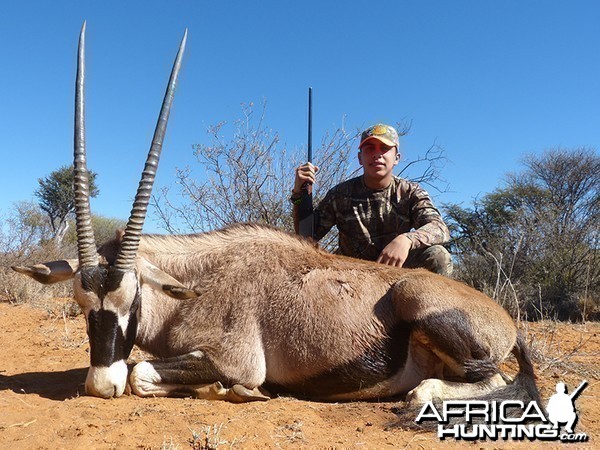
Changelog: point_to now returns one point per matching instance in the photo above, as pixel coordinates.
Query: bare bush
(246, 174)
(27, 238)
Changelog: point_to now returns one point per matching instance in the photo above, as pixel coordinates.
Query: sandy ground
(43, 363)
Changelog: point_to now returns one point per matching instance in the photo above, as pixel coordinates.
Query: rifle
(305, 208)
(577, 391)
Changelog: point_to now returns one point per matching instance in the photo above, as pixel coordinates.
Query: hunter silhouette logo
(561, 406)
(471, 420)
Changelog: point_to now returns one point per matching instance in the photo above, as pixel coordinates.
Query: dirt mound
(44, 359)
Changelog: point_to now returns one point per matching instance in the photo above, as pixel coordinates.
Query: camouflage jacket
(368, 220)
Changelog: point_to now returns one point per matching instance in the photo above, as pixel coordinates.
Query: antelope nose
(107, 382)
(101, 391)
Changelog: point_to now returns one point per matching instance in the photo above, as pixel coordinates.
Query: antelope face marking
(110, 300)
(109, 295)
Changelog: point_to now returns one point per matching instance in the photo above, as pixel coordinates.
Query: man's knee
(435, 258)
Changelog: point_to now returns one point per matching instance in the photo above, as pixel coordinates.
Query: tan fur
(272, 307)
(290, 298)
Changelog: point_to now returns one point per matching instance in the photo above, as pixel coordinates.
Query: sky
(487, 81)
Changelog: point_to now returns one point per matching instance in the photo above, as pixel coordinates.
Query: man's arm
(296, 199)
(429, 226)
(396, 252)
(324, 215)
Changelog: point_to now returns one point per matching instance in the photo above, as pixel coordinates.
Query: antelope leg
(192, 375)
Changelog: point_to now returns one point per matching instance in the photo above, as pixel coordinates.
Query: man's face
(378, 159)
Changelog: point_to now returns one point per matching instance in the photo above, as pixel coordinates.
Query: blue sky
(488, 81)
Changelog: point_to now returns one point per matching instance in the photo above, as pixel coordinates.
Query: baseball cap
(384, 133)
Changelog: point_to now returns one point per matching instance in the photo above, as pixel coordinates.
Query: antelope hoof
(144, 379)
(426, 391)
(239, 394)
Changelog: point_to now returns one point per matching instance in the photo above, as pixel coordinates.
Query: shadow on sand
(52, 385)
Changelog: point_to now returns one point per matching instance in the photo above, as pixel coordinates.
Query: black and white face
(110, 299)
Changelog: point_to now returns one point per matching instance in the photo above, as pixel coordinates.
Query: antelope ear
(153, 276)
(179, 292)
(50, 272)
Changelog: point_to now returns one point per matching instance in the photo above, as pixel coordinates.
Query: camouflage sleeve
(325, 215)
(429, 227)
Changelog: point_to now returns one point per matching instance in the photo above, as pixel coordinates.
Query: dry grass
(209, 438)
(18, 289)
(550, 352)
(168, 444)
(291, 433)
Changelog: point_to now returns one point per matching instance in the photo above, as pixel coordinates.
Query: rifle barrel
(310, 125)
(577, 391)
(305, 208)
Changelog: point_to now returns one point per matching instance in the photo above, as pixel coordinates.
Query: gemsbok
(234, 311)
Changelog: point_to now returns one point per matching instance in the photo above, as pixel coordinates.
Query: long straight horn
(86, 244)
(133, 232)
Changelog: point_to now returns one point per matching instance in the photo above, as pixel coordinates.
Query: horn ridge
(86, 243)
(133, 231)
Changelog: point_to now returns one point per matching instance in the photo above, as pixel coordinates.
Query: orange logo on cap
(379, 129)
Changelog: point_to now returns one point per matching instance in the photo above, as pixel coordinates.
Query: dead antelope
(249, 306)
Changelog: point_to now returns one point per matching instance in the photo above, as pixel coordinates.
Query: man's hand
(396, 252)
(306, 173)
